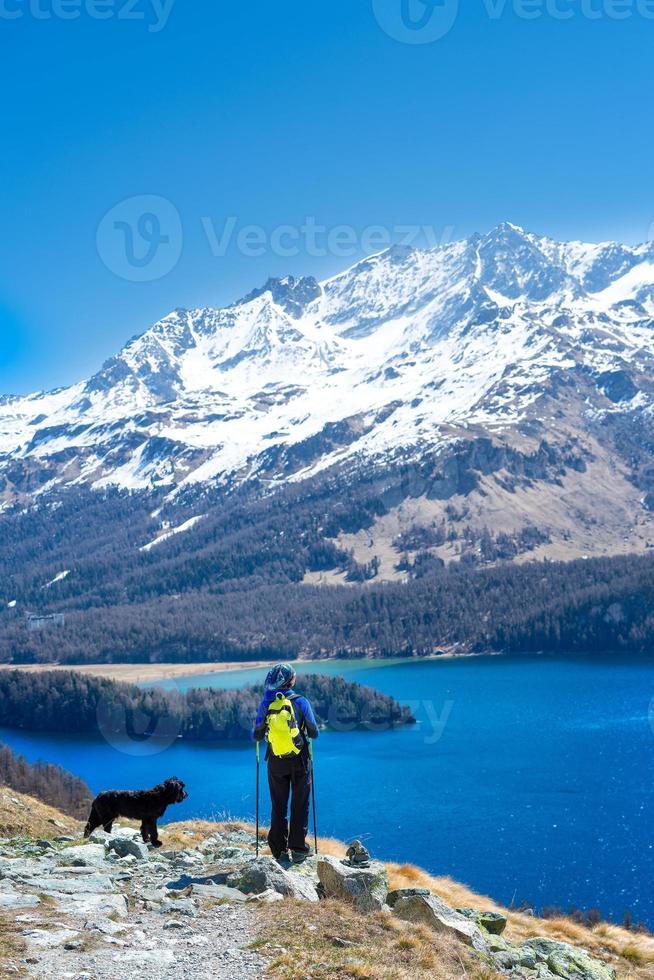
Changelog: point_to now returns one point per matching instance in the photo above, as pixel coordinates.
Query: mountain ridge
(469, 403)
(208, 380)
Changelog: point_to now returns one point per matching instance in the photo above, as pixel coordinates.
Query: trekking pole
(257, 840)
(313, 799)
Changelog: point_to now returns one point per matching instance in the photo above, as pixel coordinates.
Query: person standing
(285, 719)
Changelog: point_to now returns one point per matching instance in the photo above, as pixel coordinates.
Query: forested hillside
(65, 701)
(237, 585)
(48, 783)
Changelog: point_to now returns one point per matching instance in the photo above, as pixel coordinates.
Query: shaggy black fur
(146, 805)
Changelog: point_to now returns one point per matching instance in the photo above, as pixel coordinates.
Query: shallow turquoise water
(528, 779)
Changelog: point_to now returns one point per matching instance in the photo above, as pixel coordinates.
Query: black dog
(146, 805)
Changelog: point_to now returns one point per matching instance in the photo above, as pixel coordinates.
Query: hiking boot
(300, 856)
(284, 859)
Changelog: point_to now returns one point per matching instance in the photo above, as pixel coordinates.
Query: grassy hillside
(23, 816)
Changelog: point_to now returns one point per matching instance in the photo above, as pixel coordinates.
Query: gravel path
(114, 909)
(156, 947)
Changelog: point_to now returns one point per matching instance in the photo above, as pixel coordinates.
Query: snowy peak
(406, 350)
(513, 264)
(291, 294)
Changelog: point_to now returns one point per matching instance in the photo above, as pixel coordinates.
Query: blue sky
(269, 113)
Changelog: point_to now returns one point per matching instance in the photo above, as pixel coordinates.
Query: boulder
(433, 911)
(565, 961)
(492, 922)
(126, 846)
(83, 855)
(265, 873)
(366, 887)
(398, 893)
(221, 893)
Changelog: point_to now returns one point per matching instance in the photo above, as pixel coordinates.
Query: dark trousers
(289, 777)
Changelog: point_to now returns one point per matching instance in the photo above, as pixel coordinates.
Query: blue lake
(528, 779)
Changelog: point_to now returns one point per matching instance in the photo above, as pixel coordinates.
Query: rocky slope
(510, 377)
(204, 905)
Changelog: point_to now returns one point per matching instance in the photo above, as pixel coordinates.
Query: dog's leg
(94, 821)
(107, 827)
(145, 831)
(154, 833)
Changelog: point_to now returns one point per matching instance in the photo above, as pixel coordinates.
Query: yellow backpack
(284, 736)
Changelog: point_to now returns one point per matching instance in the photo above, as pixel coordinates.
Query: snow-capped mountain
(504, 343)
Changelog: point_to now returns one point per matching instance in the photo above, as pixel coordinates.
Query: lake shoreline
(140, 673)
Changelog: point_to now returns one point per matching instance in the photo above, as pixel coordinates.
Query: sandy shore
(137, 673)
(141, 673)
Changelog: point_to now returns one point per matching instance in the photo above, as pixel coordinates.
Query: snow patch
(171, 532)
(58, 578)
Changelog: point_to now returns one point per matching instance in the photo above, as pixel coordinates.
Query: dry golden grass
(333, 940)
(632, 954)
(11, 948)
(23, 816)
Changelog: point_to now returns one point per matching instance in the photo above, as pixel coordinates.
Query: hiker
(286, 720)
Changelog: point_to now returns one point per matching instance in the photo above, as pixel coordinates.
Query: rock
(232, 852)
(174, 924)
(104, 925)
(49, 937)
(94, 883)
(492, 922)
(264, 874)
(126, 847)
(357, 855)
(83, 855)
(367, 887)
(240, 837)
(434, 912)
(14, 900)
(179, 906)
(398, 893)
(221, 893)
(266, 897)
(566, 961)
(92, 905)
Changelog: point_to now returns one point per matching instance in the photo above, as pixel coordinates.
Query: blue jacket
(306, 719)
